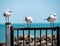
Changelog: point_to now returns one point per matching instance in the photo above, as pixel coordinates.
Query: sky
(37, 9)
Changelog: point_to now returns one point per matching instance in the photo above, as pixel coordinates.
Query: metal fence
(46, 29)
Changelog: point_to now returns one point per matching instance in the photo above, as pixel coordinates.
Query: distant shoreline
(32, 23)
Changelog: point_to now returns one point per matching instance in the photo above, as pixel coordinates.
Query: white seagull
(7, 14)
(28, 20)
(51, 19)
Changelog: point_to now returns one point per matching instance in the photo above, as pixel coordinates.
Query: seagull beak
(45, 19)
(10, 11)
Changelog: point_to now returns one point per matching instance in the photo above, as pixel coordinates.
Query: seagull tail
(45, 19)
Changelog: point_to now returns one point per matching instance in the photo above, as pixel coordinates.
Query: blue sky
(37, 9)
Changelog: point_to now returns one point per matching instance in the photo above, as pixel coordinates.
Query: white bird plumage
(28, 20)
(7, 14)
(51, 18)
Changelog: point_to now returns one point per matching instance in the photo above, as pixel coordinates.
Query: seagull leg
(27, 24)
(8, 19)
(53, 24)
(30, 24)
(50, 24)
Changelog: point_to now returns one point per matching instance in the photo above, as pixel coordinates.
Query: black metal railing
(57, 29)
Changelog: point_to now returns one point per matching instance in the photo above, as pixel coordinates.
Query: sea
(2, 29)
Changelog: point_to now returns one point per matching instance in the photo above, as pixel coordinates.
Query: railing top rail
(37, 28)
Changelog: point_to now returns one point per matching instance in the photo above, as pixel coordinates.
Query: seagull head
(53, 15)
(9, 10)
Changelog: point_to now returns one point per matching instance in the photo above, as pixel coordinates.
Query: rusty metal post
(9, 34)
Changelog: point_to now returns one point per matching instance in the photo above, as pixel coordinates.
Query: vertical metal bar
(5, 34)
(59, 36)
(40, 37)
(34, 37)
(52, 37)
(12, 36)
(29, 36)
(17, 37)
(23, 38)
(46, 37)
(56, 37)
(58, 44)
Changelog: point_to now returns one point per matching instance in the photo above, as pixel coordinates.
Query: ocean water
(2, 29)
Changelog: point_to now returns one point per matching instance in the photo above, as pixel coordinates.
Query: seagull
(51, 19)
(7, 14)
(28, 20)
